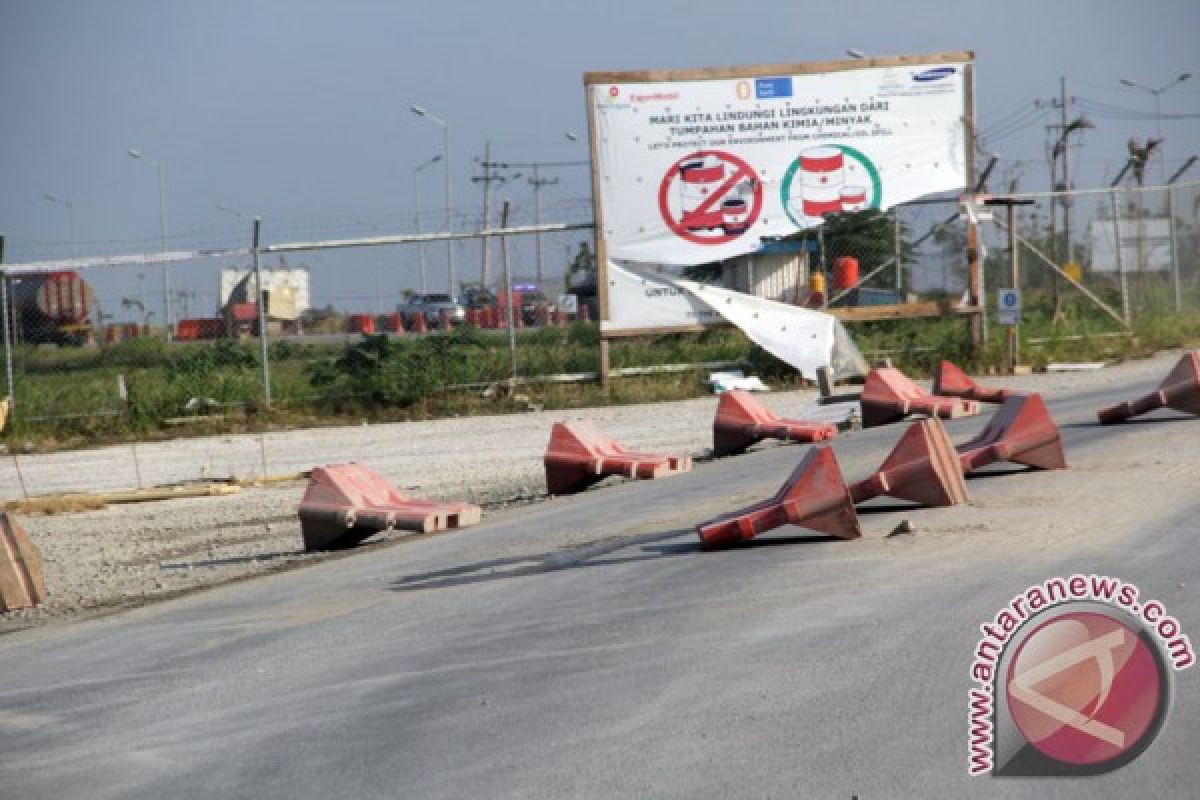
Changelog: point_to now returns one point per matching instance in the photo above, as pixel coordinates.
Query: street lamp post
(70, 207)
(1157, 94)
(162, 225)
(445, 126)
(417, 214)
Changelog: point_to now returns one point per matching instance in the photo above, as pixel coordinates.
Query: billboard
(698, 166)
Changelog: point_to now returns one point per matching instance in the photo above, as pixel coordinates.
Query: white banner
(696, 171)
(801, 337)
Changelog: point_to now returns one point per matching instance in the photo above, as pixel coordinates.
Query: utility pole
(484, 272)
(537, 182)
(487, 179)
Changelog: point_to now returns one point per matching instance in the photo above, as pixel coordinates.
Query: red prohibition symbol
(710, 197)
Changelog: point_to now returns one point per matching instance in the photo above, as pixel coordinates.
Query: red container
(362, 323)
(394, 323)
(845, 272)
(187, 330)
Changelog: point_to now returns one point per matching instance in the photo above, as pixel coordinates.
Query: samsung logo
(935, 74)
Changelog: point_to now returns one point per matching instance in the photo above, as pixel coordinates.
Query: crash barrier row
(925, 467)
(487, 317)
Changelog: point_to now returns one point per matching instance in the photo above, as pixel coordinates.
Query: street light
(228, 210)
(67, 204)
(1157, 93)
(855, 53)
(417, 213)
(421, 112)
(162, 224)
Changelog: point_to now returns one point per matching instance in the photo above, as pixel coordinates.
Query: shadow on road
(584, 556)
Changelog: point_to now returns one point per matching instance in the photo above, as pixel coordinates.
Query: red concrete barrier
(922, 468)
(889, 395)
(418, 324)
(814, 496)
(741, 421)
(580, 454)
(1021, 431)
(346, 503)
(950, 381)
(1180, 391)
(22, 583)
(444, 321)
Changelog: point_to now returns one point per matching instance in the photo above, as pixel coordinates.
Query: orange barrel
(845, 272)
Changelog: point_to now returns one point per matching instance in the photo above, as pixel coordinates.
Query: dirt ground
(125, 555)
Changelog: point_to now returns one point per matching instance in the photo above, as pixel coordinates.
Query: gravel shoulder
(127, 555)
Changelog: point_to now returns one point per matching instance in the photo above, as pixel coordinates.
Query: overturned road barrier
(22, 583)
(1179, 391)
(346, 503)
(922, 468)
(814, 496)
(742, 421)
(950, 381)
(889, 396)
(1021, 431)
(580, 454)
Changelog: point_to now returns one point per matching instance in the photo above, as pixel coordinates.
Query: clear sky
(298, 110)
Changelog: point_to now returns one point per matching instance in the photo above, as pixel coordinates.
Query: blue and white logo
(772, 88)
(935, 74)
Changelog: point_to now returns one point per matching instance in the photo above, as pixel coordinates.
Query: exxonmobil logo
(935, 74)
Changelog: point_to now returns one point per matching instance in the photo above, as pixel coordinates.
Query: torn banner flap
(801, 337)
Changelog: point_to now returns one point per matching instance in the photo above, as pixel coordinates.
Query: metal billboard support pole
(262, 313)
(508, 296)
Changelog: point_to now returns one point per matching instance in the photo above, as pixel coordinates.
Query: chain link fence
(1116, 260)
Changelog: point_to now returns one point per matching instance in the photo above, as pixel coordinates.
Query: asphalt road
(495, 662)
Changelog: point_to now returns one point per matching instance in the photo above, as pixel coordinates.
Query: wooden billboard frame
(595, 78)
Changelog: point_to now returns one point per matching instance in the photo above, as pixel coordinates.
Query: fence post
(1014, 278)
(1175, 282)
(896, 248)
(262, 314)
(8, 367)
(1120, 261)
